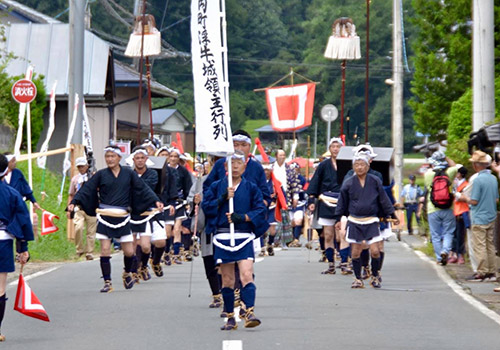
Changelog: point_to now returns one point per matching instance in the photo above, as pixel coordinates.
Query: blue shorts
(223, 256)
(7, 255)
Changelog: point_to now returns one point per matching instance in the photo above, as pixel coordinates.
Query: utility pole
(397, 95)
(483, 63)
(137, 13)
(76, 62)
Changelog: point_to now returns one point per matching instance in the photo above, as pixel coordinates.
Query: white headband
(336, 139)
(10, 157)
(366, 149)
(242, 138)
(114, 150)
(175, 150)
(267, 166)
(237, 156)
(149, 144)
(163, 148)
(364, 156)
(140, 151)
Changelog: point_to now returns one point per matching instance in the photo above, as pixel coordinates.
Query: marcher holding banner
(249, 218)
(14, 224)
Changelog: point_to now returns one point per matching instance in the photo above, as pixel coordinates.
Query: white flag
(86, 136)
(41, 161)
(211, 96)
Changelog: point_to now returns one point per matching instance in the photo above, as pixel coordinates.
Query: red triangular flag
(179, 142)
(48, 225)
(27, 303)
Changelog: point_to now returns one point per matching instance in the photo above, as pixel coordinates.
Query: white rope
(250, 238)
(127, 218)
(146, 219)
(113, 226)
(329, 201)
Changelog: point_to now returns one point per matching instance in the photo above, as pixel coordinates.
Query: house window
(166, 139)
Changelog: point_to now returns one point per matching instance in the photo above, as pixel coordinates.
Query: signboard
(24, 91)
(211, 83)
(329, 113)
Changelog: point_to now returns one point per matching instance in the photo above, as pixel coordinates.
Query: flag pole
(231, 200)
(226, 97)
(30, 168)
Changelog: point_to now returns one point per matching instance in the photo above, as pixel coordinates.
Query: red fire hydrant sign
(24, 91)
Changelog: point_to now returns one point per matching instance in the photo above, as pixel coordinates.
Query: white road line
(258, 260)
(441, 272)
(36, 274)
(232, 345)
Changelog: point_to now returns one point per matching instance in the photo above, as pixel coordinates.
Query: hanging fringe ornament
(152, 38)
(344, 43)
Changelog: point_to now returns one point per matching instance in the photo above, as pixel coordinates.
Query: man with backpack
(439, 203)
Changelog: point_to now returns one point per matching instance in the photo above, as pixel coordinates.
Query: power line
(176, 23)
(164, 14)
(121, 8)
(115, 14)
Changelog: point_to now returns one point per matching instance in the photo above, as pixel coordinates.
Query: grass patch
(414, 155)
(53, 247)
(252, 124)
(428, 250)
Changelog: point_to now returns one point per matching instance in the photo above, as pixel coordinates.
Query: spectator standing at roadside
(461, 212)
(81, 218)
(410, 197)
(483, 203)
(441, 220)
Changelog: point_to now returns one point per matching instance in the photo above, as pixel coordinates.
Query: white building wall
(99, 127)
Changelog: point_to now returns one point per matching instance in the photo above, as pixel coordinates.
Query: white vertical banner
(22, 113)
(211, 96)
(42, 160)
(86, 135)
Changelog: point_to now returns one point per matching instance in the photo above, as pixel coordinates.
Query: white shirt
(280, 174)
(7, 177)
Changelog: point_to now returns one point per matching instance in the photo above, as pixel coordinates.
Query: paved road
(299, 309)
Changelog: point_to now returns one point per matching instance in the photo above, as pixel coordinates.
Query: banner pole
(28, 136)
(231, 200)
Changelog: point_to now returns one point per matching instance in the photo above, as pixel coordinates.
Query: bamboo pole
(24, 157)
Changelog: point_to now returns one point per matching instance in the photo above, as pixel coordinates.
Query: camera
(486, 139)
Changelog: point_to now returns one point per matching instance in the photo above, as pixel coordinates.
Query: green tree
(9, 109)
(442, 60)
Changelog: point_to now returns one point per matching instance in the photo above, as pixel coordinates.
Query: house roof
(269, 129)
(126, 76)
(160, 116)
(25, 13)
(126, 125)
(46, 47)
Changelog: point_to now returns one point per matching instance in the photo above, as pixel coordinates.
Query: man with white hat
(362, 198)
(483, 202)
(368, 150)
(80, 217)
(325, 184)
